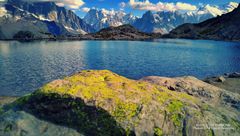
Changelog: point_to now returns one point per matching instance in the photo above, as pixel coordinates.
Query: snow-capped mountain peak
(230, 6)
(217, 10)
(3, 11)
(213, 10)
(164, 22)
(102, 18)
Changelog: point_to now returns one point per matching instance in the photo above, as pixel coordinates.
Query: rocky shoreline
(228, 81)
(96, 102)
(123, 32)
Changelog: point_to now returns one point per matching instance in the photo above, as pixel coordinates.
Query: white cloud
(110, 12)
(85, 9)
(3, 11)
(73, 4)
(160, 6)
(185, 6)
(231, 6)
(214, 10)
(2, 2)
(122, 5)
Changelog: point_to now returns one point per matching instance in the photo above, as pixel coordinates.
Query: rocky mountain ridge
(155, 22)
(225, 27)
(45, 20)
(100, 19)
(123, 32)
(42, 19)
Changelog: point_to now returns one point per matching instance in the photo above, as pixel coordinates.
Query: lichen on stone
(158, 131)
(105, 101)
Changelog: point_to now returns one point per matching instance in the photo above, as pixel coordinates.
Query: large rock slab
(104, 103)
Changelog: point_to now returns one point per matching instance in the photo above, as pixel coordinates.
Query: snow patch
(41, 17)
(77, 31)
(101, 18)
(3, 11)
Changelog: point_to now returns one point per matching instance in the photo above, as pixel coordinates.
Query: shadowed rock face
(225, 27)
(104, 103)
(74, 113)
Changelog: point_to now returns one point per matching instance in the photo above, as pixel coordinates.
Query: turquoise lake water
(24, 67)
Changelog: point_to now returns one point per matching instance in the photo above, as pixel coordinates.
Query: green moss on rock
(175, 110)
(158, 131)
(104, 103)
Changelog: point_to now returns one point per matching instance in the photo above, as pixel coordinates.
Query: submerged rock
(221, 79)
(104, 103)
(6, 100)
(231, 82)
(234, 75)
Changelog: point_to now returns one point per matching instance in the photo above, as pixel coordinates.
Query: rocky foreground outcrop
(104, 103)
(224, 27)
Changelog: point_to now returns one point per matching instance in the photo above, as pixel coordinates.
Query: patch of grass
(235, 124)
(210, 132)
(175, 110)
(175, 106)
(1, 110)
(8, 128)
(125, 111)
(158, 131)
(23, 99)
(177, 119)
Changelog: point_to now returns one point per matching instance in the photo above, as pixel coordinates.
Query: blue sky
(127, 7)
(137, 7)
(114, 3)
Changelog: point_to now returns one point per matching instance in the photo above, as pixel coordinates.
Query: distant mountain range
(100, 19)
(225, 27)
(158, 22)
(21, 19)
(43, 19)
